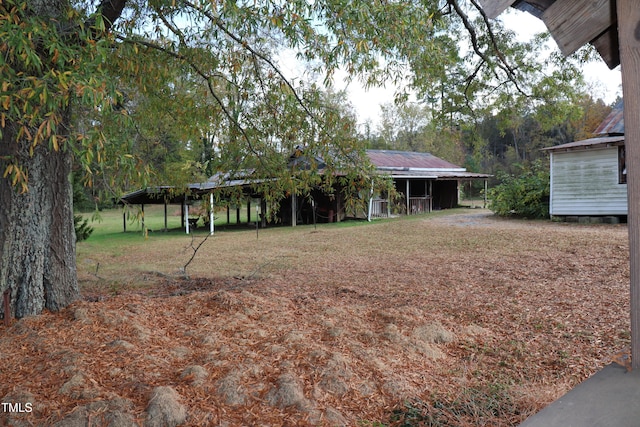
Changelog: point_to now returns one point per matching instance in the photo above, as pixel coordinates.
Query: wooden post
(426, 195)
(211, 216)
(430, 195)
(408, 201)
(257, 219)
(186, 216)
(166, 228)
(294, 210)
(629, 36)
(248, 211)
(486, 188)
(182, 213)
(124, 219)
(142, 207)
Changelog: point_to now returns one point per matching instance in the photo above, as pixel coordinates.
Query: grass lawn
(455, 318)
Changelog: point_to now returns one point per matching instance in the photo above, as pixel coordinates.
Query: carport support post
(430, 195)
(166, 228)
(629, 36)
(484, 204)
(294, 209)
(211, 218)
(368, 211)
(186, 216)
(408, 202)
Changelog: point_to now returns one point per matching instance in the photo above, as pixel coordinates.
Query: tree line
(492, 142)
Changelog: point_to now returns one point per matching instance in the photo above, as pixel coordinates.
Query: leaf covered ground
(461, 319)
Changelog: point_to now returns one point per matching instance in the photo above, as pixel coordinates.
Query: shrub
(82, 227)
(526, 195)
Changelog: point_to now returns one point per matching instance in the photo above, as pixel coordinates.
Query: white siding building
(588, 178)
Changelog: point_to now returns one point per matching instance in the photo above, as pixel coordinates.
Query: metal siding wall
(586, 183)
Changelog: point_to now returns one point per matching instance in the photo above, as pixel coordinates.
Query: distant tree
(75, 73)
(469, 112)
(411, 127)
(401, 126)
(593, 114)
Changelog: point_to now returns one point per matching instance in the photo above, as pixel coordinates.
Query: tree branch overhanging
(218, 23)
(256, 54)
(207, 78)
(502, 62)
(110, 11)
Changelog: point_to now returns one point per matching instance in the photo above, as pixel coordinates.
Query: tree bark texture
(37, 237)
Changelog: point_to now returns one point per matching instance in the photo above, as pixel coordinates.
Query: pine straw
(341, 326)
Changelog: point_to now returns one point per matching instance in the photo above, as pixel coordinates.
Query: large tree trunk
(37, 238)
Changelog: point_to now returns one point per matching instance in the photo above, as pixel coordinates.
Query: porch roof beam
(573, 24)
(493, 8)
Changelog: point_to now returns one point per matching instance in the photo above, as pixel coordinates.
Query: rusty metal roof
(399, 164)
(611, 132)
(588, 143)
(389, 159)
(614, 123)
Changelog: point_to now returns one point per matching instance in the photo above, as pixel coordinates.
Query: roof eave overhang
(588, 144)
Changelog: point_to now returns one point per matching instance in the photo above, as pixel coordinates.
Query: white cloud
(605, 83)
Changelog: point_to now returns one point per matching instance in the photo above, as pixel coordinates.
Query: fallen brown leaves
(467, 318)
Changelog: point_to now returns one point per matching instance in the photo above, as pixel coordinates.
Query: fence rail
(379, 208)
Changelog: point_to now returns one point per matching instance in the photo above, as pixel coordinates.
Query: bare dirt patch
(458, 319)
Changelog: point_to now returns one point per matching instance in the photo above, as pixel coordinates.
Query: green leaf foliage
(171, 92)
(82, 228)
(524, 195)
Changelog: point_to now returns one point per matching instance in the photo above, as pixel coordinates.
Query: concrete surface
(610, 398)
